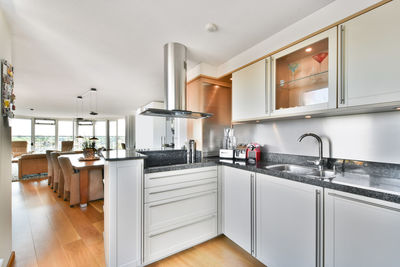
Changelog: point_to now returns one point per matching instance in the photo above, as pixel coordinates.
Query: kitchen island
(153, 212)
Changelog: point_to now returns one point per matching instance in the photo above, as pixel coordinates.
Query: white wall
(5, 157)
(149, 129)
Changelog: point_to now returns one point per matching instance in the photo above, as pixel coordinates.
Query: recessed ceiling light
(230, 78)
(216, 86)
(307, 117)
(211, 27)
(309, 49)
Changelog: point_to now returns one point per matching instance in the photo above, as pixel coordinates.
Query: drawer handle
(181, 174)
(178, 188)
(180, 226)
(177, 200)
(365, 202)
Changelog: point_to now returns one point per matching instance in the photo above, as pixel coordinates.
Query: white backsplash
(369, 137)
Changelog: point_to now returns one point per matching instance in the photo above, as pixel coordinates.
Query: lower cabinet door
(361, 231)
(237, 206)
(164, 242)
(288, 223)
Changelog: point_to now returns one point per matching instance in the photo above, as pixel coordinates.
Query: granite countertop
(114, 155)
(369, 185)
(205, 162)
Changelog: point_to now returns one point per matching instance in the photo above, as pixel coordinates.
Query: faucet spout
(320, 148)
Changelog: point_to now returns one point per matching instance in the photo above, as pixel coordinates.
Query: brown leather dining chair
(71, 180)
(49, 167)
(56, 170)
(67, 146)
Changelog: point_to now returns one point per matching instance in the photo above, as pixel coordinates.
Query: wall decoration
(7, 89)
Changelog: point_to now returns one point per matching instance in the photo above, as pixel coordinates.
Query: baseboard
(11, 260)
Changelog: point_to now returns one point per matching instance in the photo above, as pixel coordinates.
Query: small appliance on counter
(226, 153)
(253, 153)
(229, 143)
(240, 151)
(191, 151)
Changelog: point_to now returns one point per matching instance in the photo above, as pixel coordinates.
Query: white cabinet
(304, 76)
(360, 231)
(180, 210)
(122, 212)
(237, 206)
(370, 57)
(288, 222)
(250, 92)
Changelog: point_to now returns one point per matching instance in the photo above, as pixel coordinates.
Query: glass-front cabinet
(304, 75)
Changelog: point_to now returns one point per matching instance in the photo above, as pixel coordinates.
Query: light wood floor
(218, 252)
(47, 232)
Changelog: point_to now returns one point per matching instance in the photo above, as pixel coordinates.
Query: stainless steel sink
(303, 170)
(325, 174)
(297, 169)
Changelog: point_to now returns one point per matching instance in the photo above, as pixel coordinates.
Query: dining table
(84, 167)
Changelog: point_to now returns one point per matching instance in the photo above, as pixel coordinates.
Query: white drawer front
(180, 176)
(165, 242)
(182, 189)
(161, 214)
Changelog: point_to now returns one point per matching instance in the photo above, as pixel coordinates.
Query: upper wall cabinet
(250, 92)
(370, 57)
(304, 76)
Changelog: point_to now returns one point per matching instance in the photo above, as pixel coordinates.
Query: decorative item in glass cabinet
(319, 58)
(293, 67)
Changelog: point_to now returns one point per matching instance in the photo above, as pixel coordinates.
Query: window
(100, 131)
(113, 134)
(45, 135)
(121, 132)
(85, 130)
(65, 132)
(21, 130)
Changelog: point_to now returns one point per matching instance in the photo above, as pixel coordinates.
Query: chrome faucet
(319, 162)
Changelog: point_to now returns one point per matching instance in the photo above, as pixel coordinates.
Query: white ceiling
(61, 48)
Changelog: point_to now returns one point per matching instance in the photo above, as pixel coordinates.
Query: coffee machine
(253, 153)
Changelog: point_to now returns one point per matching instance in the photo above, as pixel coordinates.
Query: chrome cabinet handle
(318, 228)
(342, 81)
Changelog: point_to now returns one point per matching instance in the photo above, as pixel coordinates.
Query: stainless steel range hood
(175, 86)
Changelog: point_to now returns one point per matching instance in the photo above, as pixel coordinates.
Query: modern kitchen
(286, 154)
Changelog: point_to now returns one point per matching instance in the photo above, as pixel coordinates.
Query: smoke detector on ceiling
(211, 27)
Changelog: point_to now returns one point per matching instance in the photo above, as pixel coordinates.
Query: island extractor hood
(175, 86)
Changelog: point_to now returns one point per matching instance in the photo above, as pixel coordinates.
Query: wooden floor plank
(49, 236)
(218, 252)
(79, 254)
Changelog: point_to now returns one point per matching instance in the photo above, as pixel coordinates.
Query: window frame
(75, 125)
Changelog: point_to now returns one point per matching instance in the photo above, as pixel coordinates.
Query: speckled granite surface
(166, 157)
(370, 179)
(114, 155)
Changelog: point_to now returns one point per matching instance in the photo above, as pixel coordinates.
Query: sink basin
(325, 174)
(303, 170)
(297, 169)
